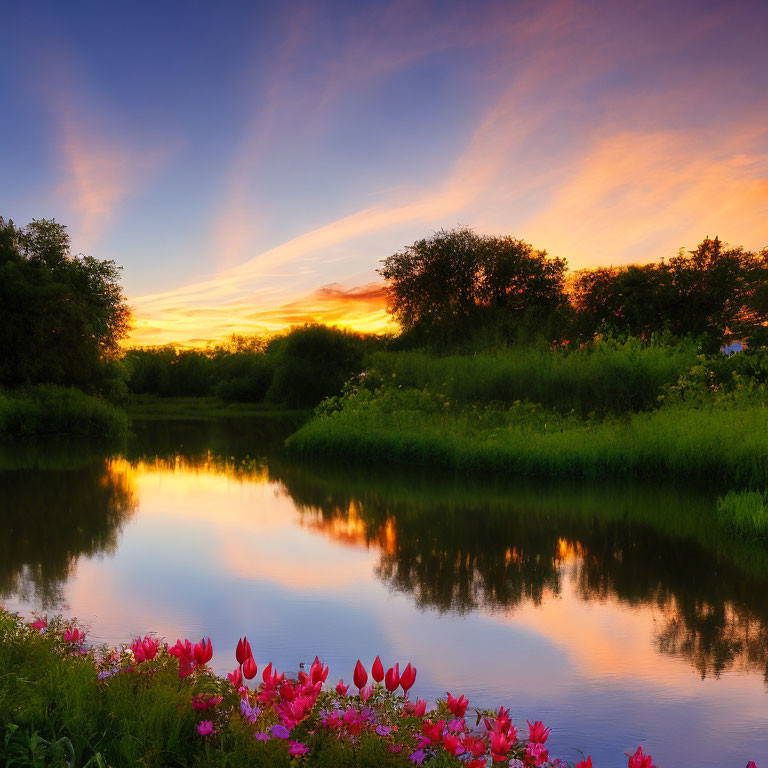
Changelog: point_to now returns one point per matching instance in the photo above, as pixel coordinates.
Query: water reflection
(457, 547)
(51, 517)
(586, 602)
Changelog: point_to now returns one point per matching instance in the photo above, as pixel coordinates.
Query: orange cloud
(360, 308)
(641, 196)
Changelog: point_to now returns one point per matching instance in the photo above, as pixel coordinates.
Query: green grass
(47, 409)
(745, 513)
(602, 377)
(726, 444)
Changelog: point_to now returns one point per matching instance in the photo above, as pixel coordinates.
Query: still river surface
(615, 614)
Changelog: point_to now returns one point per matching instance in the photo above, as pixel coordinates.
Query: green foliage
(714, 292)
(745, 513)
(311, 363)
(605, 376)
(411, 426)
(47, 409)
(296, 370)
(443, 288)
(61, 315)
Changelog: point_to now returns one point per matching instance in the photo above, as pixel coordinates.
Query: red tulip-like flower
(750, 764)
(392, 678)
(203, 652)
(146, 649)
(342, 689)
(639, 760)
(457, 706)
(588, 763)
(360, 676)
(452, 744)
(479, 763)
(408, 678)
(249, 668)
(420, 708)
(243, 650)
(537, 733)
(235, 677)
(500, 745)
(317, 672)
(377, 670)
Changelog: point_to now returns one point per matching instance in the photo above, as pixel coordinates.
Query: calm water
(614, 614)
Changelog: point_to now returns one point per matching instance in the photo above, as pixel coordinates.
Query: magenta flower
(297, 748)
(261, 736)
(383, 730)
(418, 756)
(205, 728)
(280, 731)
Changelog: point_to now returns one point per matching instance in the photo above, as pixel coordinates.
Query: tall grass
(723, 444)
(47, 409)
(604, 376)
(745, 513)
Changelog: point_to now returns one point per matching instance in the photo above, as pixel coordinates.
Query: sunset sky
(249, 164)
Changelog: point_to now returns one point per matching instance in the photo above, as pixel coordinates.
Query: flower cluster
(304, 714)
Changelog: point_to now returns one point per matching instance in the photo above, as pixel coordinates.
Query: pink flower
(297, 748)
(317, 672)
(408, 678)
(537, 733)
(365, 693)
(360, 676)
(73, 635)
(588, 763)
(536, 753)
(235, 677)
(377, 670)
(40, 624)
(184, 653)
(457, 706)
(342, 689)
(243, 650)
(203, 652)
(146, 649)
(639, 760)
(392, 678)
(205, 728)
(249, 668)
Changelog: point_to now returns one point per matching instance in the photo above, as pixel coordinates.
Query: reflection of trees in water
(52, 517)
(459, 547)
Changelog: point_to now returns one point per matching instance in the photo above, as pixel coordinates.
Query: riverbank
(147, 703)
(148, 407)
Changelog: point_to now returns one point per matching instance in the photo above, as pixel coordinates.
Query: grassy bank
(726, 443)
(47, 409)
(63, 703)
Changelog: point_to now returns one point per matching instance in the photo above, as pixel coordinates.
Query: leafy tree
(458, 281)
(714, 292)
(62, 316)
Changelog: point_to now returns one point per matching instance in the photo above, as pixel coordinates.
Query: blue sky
(249, 164)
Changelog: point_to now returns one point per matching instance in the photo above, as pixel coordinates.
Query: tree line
(458, 285)
(63, 316)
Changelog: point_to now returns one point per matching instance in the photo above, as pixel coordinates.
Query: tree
(62, 316)
(456, 281)
(715, 292)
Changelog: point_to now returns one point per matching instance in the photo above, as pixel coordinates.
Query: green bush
(313, 362)
(48, 409)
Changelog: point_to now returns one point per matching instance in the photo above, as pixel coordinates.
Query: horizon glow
(250, 166)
